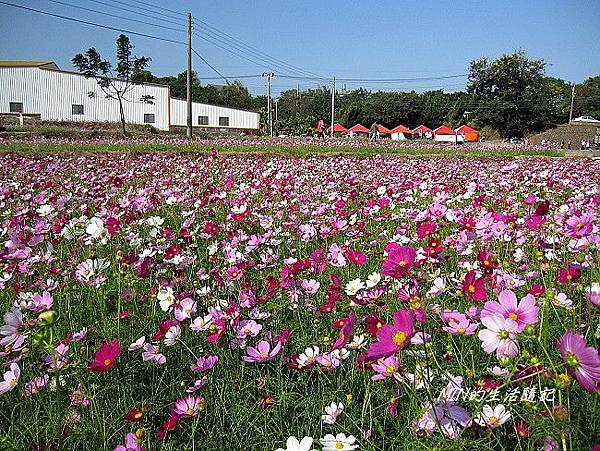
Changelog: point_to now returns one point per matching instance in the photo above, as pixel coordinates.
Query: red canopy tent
(384, 130)
(359, 128)
(338, 128)
(443, 130)
(400, 132)
(422, 130)
(470, 134)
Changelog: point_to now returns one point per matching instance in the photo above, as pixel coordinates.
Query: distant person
(569, 145)
(373, 132)
(562, 144)
(321, 128)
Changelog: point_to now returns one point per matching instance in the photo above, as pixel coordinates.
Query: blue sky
(349, 38)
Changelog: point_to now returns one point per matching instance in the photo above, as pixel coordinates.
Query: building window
(149, 118)
(76, 109)
(16, 107)
(202, 120)
(224, 121)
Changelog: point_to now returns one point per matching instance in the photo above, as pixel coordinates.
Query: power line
(148, 5)
(209, 65)
(115, 16)
(106, 27)
(135, 11)
(255, 50)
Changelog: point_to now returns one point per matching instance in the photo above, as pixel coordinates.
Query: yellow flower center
(493, 421)
(471, 288)
(339, 445)
(106, 362)
(190, 411)
(264, 355)
(138, 415)
(402, 263)
(399, 338)
(461, 330)
(390, 369)
(513, 316)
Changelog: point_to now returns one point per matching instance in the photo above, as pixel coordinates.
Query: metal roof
(28, 63)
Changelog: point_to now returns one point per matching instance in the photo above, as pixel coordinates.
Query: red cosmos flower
(487, 260)
(522, 429)
(434, 247)
(374, 323)
(133, 415)
(167, 426)
(474, 287)
(537, 290)
(106, 357)
(399, 261)
(211, 228)
(172, 251)
(542, 208)
(113, 226)
(426, 230)
(568, 275)
(163, 328)
(346, 331)
(356, 257)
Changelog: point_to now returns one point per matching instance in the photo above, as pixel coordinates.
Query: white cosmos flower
(292, 444)
(309, 356)
(172, 335)
(339, 442)
(137, 344)
(332, 411)
(373, 279)
(165, 298)
(354, 286)
(493, 417)
(358, 342)
(96, 230)
(44, 210)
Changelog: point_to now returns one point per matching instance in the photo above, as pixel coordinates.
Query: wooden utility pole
(189, 77)
(572, 103)
(332, 107)
(269, 75)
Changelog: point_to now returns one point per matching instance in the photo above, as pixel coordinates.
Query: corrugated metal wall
(241, 119)
(52, 94)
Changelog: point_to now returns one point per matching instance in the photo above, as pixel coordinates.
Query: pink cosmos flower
(392, 338)
(583, 361)
(131, 444)
(310, 286)
(41, 303)
(234, 273)
(579, 226)
(262, 352)
(204, 363)
(185, 309)
(500, 336)
(592, 293)
(399, 260)
(197, 385)
(460, 325)
(188, 406)
(474, 287)
(11, 330)
(11, 377)
(152, 352)
(34, 386)
(386, 367)
(248, 328)
(524, 313)
(106, 357)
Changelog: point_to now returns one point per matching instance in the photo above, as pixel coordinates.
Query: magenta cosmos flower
(399, 261)
(474, 287)
(262, 353)
(234, 273)
(582, 360)
(523, 313)
(204, 363)
(106, 357)
(391, 338)
(131, 444)
(188, 406)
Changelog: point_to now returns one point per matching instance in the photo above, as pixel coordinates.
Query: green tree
(118, 82)
(587, 98)
(511, 93)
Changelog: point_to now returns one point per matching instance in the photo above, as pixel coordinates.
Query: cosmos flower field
(213, 301)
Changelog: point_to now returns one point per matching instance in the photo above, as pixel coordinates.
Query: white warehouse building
(40, 89)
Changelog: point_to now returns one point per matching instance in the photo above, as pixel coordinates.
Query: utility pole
(332, 106)
(276, 110)
(269, 75)
(572, 103)
(189, 77)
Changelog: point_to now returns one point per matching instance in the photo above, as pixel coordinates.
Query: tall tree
(118, 82)
(510, 93)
